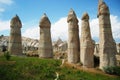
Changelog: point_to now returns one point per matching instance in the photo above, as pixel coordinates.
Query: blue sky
(30, 12)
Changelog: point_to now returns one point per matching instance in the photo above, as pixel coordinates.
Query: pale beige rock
(15, 40)
(118, 48)
(107, 44)
(87, 46)
(96, 50)
(73, 38)
(56, 45)
(45, 44)
(62, 47)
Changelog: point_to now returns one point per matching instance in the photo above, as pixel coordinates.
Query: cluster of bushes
(112, 70)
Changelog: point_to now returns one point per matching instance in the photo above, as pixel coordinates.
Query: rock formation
(87, 46)
(62, 47)
(59, 46)
(96, 50)
(118, 48)
(73, 38)
(56, 45)
(15, 40)
(107, 44)
(45, 44)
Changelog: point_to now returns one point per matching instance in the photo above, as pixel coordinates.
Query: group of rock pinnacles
(79, 49)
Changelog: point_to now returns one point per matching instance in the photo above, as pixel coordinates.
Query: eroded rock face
(87, 46)
(15, 40)
(118, 48)
(96, 50)
(73, 38)
(59, 46)
(107, 44)
(45, 43)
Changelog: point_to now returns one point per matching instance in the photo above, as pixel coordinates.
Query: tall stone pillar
(107, 43)
(45, 43)
(73, 38)
(15, 39)
(87, 45)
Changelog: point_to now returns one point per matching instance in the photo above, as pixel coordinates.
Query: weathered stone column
(73, 38)
(15, 39)
(107, 43)
(45, 43)
(87, 46)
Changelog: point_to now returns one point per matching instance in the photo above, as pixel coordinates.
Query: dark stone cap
(15, 22)
(85, 16)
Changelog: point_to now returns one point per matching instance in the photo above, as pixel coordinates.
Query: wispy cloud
(4, 25)
(6, 2)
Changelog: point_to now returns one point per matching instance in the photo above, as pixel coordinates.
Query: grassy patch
(25, 68)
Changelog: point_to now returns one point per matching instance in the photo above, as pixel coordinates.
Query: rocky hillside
(58, 46)
(25, 41)
(30, 46)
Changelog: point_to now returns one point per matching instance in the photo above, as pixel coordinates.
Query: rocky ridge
(26, 42)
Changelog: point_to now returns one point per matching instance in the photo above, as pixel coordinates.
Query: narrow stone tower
(45, 44)
(107, 43)
(87, 46)
(73, 38)
(15, 40)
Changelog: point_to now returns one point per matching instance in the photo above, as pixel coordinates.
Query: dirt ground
(92, 70)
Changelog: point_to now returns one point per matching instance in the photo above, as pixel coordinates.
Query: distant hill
(25, 41)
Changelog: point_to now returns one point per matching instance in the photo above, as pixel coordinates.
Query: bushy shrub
(112, 70)
(7, 55)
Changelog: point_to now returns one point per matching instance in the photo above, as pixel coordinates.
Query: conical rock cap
(15, 22)
(44, 20)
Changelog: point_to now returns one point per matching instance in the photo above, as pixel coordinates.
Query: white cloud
(94, 27)
(60, 29)
(115, 24)
(7, 2)
(32, 32)
(4, 25)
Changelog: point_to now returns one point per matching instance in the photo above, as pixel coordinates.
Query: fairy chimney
(15, 40)
(87, 46)
(73, 38)
(107, 44)
(45, 43)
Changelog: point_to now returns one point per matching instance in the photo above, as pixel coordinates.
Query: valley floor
(31, 68)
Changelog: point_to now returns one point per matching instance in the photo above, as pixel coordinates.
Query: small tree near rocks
(7, 55)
